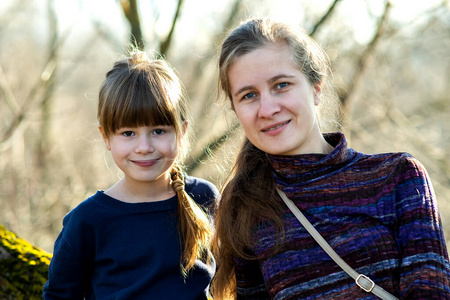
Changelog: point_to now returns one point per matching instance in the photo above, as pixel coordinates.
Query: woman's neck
(300, 169)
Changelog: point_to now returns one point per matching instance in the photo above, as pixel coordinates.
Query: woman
(378, 212)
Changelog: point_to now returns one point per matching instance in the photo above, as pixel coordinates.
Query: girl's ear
(183, 132)
(105, 139)
(317, 90)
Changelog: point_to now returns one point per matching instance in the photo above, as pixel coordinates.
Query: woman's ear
(317, 90)
(232, 104)
(105, 139)
(184, 127)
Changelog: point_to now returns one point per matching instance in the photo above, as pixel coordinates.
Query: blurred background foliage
(390, 61)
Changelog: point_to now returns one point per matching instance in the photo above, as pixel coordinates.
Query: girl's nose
(144, 145)
(268, 106)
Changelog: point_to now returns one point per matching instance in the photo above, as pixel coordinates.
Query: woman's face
(274, 102)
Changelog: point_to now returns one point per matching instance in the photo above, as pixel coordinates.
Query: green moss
(23, 267)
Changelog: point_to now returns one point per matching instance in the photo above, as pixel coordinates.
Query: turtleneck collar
(297, 170)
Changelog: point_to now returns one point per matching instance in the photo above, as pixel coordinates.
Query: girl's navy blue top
(109, 249)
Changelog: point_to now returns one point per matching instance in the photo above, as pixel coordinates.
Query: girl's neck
(134, 192)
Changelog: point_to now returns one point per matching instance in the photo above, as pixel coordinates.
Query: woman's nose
(268, 106)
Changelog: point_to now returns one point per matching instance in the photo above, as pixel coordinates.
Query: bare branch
(362, 63)
(212, 146)
(232, 17)
(8, 94)
(165, 45)
(42, 83)
(324, 18)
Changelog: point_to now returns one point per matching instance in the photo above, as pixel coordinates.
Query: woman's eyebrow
(270, 80)
(277, 77)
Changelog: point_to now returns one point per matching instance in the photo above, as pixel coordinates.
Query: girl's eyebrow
(270, 81)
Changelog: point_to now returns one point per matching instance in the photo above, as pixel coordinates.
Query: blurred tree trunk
(130, 9)
(43, 142)
(48, 77)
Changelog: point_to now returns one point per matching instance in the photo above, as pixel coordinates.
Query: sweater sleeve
(424, 264)
(249, 280)
(66, 276)
(69, 271)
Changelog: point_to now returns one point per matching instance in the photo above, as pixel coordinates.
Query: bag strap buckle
(363, 285)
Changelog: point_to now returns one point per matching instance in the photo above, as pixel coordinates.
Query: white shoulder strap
(361, 280)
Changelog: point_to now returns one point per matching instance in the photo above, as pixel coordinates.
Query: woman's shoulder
(397, 162)
(409, 167)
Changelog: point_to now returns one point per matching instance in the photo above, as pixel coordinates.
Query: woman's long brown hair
(249, 197)
(246, 201)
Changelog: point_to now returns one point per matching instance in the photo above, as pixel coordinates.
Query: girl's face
(274, 102)
(144, 154)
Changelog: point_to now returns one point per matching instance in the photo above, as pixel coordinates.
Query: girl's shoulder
(201, 190)
(86, 211)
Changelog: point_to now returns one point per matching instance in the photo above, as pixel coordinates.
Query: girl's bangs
(143, 106)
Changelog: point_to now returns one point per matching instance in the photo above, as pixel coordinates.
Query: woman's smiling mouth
(279, 125)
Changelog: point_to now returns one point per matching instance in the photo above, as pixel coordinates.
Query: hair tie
(178, 185)
(177, 181)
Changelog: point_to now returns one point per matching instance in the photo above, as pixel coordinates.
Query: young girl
(378, 212)
(147, 236)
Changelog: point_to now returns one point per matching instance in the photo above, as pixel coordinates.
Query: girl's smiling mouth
(145, 163)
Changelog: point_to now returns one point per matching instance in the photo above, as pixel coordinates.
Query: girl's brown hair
(249, 197)
(137, 92)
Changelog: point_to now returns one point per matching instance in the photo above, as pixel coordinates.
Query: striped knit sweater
(378, 212)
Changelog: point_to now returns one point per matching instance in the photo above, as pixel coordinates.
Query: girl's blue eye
(128, 133)
(158, 131)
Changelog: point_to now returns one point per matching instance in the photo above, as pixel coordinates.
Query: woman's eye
(249, 96)
(158, 131)
(128, 133)
(282, 85)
